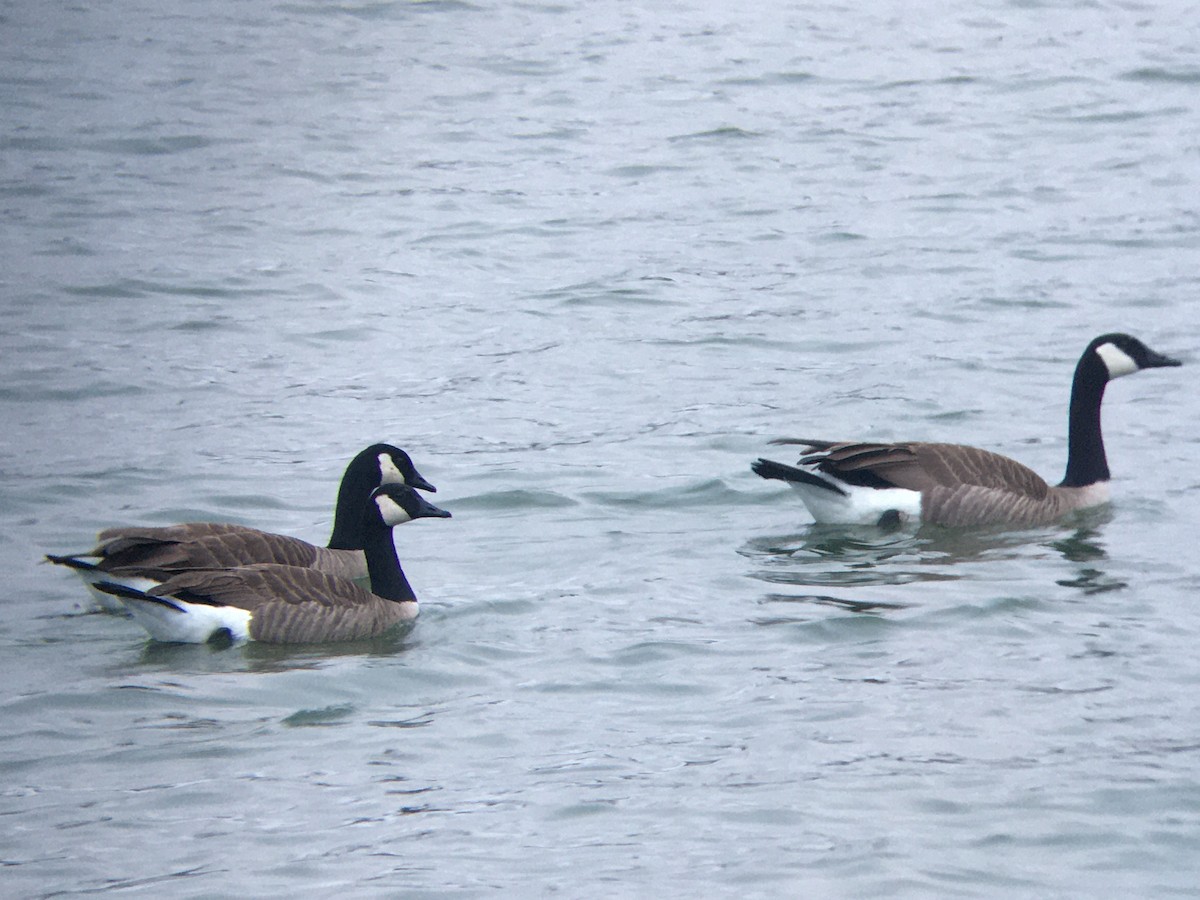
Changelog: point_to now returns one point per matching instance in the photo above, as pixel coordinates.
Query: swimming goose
(160, 551)
(951, 484)
(281, 604)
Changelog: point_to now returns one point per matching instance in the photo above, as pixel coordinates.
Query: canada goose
(951, 484)
(280, 604)
(160, 551)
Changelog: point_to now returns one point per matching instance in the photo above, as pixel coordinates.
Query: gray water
(584, 260)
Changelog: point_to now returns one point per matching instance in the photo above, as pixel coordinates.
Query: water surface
(584, 261)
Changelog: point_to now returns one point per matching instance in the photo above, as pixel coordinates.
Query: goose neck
(353, 495)
(1086, 461)
(383, 566)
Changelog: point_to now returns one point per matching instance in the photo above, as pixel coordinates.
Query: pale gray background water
(584, 260)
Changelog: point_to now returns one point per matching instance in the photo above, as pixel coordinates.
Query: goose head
(395, 504)
(1123, 354)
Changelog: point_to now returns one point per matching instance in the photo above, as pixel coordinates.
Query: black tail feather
(73, 562)
(768, 468)
(120, 590)
(127, 593)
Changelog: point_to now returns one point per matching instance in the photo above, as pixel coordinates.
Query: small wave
(514, 499)
(329, 715)
(1154, 74)
(36, 393)
(729, 132)
(154, 146)
(135, 288)
(640, 171)
(712, 492)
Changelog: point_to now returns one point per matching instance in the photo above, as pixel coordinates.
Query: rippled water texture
(584, 260)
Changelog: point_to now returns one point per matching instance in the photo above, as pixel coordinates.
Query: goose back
(119, 539)
(920, 466)
(160, 558)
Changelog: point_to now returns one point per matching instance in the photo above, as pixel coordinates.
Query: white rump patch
(1116, 360)
(196, 624)
(388, 473)
(862, 506)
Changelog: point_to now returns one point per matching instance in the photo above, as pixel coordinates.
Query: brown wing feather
(233, 548)
(248, 587)
(924, 466)
(115, 540)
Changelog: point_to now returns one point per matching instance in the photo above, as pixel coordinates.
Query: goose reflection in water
(867, 570)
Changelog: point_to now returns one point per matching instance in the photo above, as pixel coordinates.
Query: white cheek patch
(388, 473)
(391, 511)
(1116, 360)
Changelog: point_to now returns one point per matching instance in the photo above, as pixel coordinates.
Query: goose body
(284, 604)
(865, 483)
(161, 551)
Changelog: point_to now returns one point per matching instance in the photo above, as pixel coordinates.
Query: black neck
(362, 477)
(1086, 462)
(383, 566)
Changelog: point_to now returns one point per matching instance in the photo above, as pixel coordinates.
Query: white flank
(860, 505)
(1116, 360)
(191, 623)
